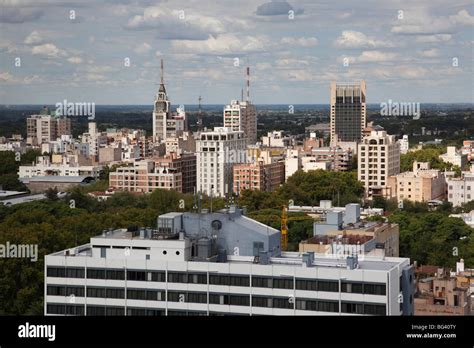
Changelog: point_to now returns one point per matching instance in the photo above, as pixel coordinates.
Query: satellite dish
(216, 224)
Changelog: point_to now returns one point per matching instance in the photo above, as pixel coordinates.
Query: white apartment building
(218, 264)
(404, 144)
(461, 190)
(454, 157)
(94, 139)
(378, 159)
(242, 116)
(292, 162)
(276, 139)
(68, 167)
(217, 151)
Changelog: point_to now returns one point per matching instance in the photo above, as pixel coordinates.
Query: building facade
(45, 128)
(378, 159)
(258, 176)
(217, 264)
(144, 176)
(348, 111)
(217, 151)
(460, 190)
(420, 185)
(242, 116)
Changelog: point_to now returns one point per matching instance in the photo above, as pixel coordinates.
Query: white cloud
(224, 44)
(430, 53)
(301, 41)
(142, 48)
(376, 56)
(176, 25)
(421, 22)
(49, 50)
(462, 18)
(34, 38)
(433, 38)
(356, 39)
(75, 60)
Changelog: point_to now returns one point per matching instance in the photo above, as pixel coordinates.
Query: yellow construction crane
(284, 228)
(284, 219)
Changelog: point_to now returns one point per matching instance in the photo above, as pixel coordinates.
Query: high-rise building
(258, 176)
(242, 116)
(165, 123)
(45, 128)
(378, 159)
(348, 111)
(217, 151)
(220, 263)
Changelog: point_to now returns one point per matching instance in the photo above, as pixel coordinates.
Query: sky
(109, 51)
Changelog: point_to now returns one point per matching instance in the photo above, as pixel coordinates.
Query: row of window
(231, 299)
(218, 279)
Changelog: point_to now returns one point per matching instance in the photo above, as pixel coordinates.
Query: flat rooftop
(373, 263)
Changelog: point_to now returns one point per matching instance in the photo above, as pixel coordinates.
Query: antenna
(162, 82)
(199, 115)
(248, 81)
(242, 95)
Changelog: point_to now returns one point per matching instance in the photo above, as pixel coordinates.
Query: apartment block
(258, 176)
(454, 157)
(460, 189)
(220, 263)
(242, 116)
(217, 152)
(44, 128)
(420, 185)
(378, 159)
(442, 295)
(184, 164)
(145, 176)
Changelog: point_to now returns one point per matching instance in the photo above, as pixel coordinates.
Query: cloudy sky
(108, 51)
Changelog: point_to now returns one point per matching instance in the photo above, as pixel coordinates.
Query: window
(283, 283)
(158, 277)
(261, 301)
(197, 278)
(177, 277)
(239, 300)
(218, 279)
(374, 309)
(135, 294)
(374, 289)
(239, 280)
(115, 311)
(262, 282)
(197, 297)
(347, 307)
(306, 305)
(95, 292)
(136, 275)
(356, 288)
(306, 284)
(115, 274)
(328, 285)
(328, 306)
(282, 302)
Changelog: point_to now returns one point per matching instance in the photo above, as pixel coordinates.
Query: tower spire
(248, 81)
(162, 81)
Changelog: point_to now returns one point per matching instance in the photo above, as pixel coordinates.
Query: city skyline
(79, 51)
